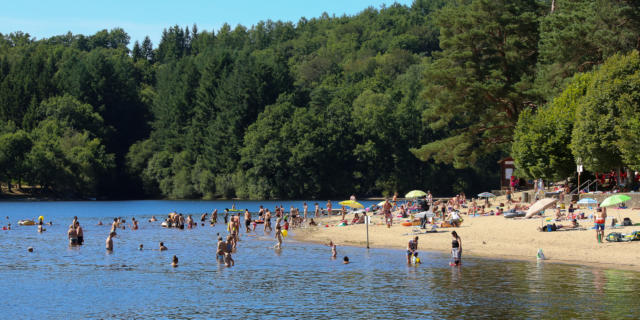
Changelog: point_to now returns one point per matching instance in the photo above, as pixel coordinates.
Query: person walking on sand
(601, 217)
(456, 249)
(412, 249)
(386, 210)
(316, 213)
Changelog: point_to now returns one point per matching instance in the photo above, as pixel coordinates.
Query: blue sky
(45, 18)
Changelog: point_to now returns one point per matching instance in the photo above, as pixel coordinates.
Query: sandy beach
(494, 236)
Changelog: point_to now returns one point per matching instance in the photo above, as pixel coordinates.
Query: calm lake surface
(300, 281)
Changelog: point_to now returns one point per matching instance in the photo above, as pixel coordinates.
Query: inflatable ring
(407, 224)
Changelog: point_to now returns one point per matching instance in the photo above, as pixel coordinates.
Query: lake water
(300, 281)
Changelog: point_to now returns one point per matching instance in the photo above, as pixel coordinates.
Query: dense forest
(427, 96)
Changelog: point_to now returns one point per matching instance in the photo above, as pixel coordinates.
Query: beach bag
(635, 236)
(614, 237)
(627, 222)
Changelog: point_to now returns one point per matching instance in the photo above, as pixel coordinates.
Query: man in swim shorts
(247, 219)
(72, 235)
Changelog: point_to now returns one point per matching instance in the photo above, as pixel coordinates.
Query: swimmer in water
(162, 247)
(174, 262)
(334, 249)
(141, 247)
(72, 235)
(30, 249)
(134, 225)
(109, 242)
(221, 247)
(345, 260)
(153, 218)
(228, 248)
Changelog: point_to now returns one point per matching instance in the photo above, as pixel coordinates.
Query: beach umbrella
(539, 206)
(615, 199)
(351, 203)
(587, 201)
(415, 194)
(381, 203)
(486, 195)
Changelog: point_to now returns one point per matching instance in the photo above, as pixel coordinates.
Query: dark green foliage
(324, 107)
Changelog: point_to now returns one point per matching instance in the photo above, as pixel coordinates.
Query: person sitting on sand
(312, 223)
(162, 247)
(356, 218)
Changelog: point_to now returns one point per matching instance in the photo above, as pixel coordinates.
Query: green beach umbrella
(615, 199)
(415, 194)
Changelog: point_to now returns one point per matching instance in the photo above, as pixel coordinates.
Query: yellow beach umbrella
(352, 204)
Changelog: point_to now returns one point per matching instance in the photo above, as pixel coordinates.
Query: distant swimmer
(247, 220)
(134, 224)
(162, 247)
(345, 260)
(334, 249)
(72, 235)
(267, 221)
(203, 217)
(109, 242)
(79, 233)
(174, 261)
(30, 249)
(220, 249)
(100, 222)
(228, 260)
(114, 225)
(141, 247)
(153, 219)
(214, 217)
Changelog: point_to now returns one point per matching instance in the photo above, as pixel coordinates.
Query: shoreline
(518, 241)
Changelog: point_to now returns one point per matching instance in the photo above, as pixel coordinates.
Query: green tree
(607, 115)
(13, 152)
(479, 83)
(542, 137)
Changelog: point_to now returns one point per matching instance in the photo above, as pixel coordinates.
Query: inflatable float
(27, 223)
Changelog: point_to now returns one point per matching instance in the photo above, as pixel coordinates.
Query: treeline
(426, 96)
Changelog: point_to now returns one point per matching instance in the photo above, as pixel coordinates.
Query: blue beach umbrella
(486, 195)
(588, 201)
